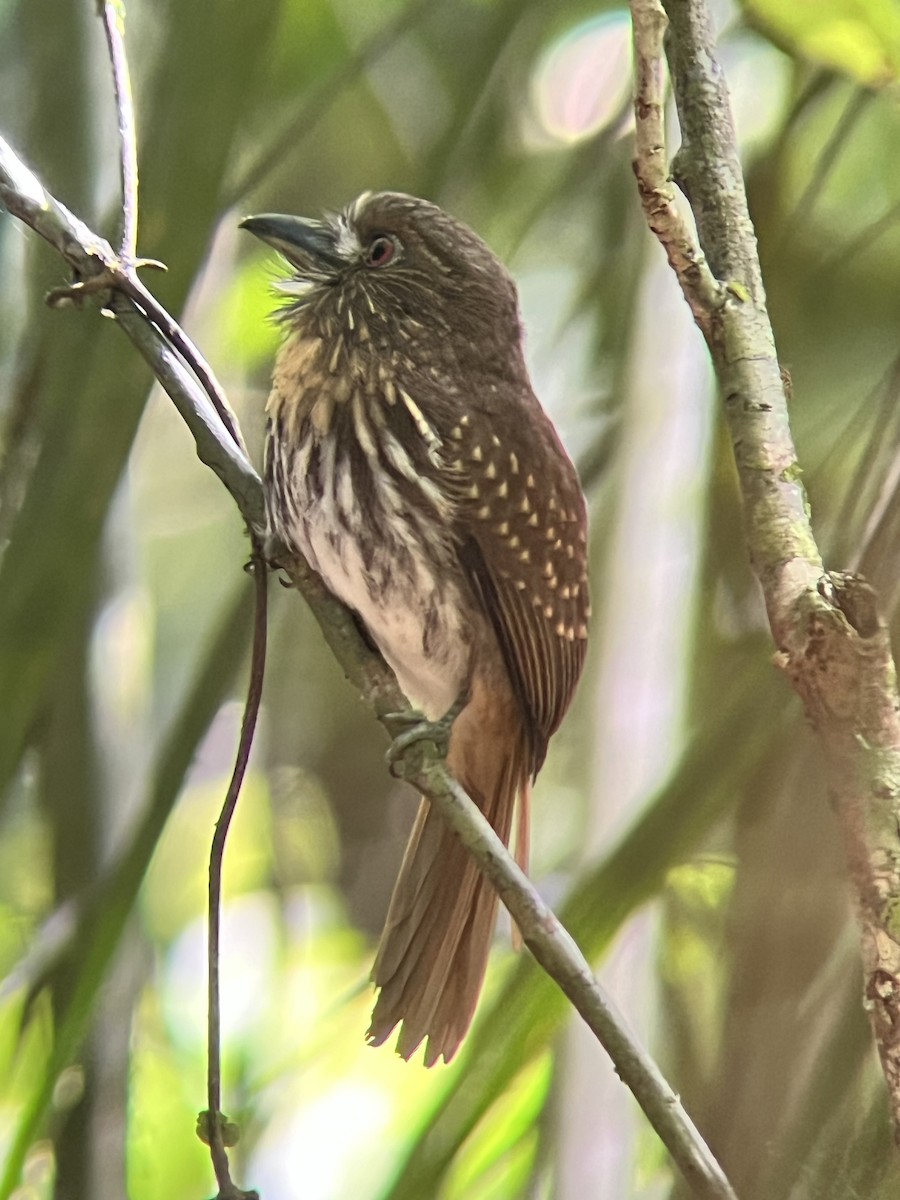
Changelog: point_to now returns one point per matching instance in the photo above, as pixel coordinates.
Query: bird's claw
(108, 279)
(417, 728)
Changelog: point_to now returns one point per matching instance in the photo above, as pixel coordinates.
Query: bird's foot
(416, 728)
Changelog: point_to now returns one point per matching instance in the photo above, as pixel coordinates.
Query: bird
(409, 461)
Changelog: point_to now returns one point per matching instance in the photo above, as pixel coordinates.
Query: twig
(215, 447)
(832, 641)
(219, 1132)
(651, 167)
(174, 334)
(92, 259)
(119, 276)
(112, 13)
(121, 270)
(26, 197)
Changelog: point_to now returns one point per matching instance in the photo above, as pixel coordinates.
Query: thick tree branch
(832, 641)
(92, 258)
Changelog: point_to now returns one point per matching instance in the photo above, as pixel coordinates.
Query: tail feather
(523, 844)
(434, 950)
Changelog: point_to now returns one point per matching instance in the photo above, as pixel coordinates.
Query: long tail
(434, 949)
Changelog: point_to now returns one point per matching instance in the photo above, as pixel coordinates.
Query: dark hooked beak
(302, 242)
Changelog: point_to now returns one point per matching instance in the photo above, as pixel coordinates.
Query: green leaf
(859, 38)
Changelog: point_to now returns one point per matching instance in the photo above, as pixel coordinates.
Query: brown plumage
(408, 459)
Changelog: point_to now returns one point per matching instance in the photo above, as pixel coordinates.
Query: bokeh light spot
(583, 79)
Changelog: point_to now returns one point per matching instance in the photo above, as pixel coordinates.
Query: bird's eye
(381, 251)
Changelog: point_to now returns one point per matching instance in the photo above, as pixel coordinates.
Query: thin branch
(94, 262)
(541, 931)
(219, 1131)
(120, 276)
(215, 446)
(703, 292)
(99, 271)
(832, 640)
(102, 912)
(558, 954)
(126, 263)
(112, 13)
(91, 257)
(174, 334)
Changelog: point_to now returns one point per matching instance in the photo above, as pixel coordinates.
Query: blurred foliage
(684, 783)
(858, 37)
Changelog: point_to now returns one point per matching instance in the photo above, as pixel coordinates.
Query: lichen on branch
(831, 639)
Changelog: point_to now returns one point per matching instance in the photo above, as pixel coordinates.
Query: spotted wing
(523, 547)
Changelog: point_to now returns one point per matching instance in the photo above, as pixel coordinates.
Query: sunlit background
(682, 823)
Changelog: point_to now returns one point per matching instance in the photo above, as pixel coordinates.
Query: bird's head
(391, 267)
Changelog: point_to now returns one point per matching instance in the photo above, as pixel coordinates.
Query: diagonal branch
(541, 930)
(557, 953)
(177, 365)
(92, 258)
(832, 641)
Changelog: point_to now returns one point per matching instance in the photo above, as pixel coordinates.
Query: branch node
(228, 1131)
(857, 600)
(73, 295)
